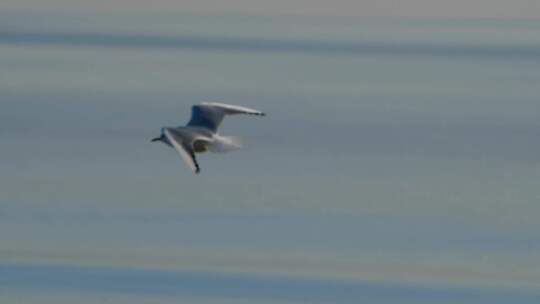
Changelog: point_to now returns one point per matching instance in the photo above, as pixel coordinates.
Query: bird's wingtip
(258, 113)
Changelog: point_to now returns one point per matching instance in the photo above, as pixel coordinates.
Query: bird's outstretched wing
(183, 149)
(210, 114)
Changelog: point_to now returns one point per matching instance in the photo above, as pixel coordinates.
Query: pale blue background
(399, 162)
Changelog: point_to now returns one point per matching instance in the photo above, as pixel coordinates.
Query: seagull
(200, 134)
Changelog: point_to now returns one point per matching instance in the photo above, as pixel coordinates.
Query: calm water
(399, 162)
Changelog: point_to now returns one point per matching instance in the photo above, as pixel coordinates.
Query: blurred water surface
(398, 164)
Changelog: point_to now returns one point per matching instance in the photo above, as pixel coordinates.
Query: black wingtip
(257, 114)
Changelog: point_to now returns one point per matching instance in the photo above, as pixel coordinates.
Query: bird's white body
(200, 134)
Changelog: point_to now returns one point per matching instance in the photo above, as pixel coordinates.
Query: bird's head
(161, 137)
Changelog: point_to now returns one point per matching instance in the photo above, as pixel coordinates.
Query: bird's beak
(156, 139)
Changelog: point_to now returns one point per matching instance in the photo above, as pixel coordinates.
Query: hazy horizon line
(254, 44)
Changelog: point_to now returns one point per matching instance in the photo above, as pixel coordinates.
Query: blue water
(214, 286)
(398, 163)
(231, 44)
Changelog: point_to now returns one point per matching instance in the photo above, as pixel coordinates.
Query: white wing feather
(232, 109)
(182, 150)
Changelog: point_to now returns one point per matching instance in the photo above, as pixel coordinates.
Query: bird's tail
(222, 144)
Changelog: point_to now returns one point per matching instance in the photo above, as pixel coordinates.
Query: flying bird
(200, 134)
